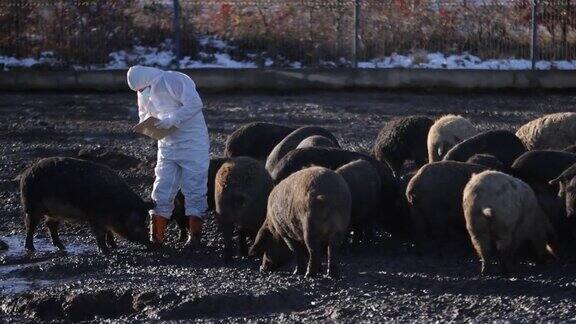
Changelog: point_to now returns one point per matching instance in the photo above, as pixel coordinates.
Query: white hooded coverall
(183, 156)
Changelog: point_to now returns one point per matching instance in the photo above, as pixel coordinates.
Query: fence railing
(295, 33)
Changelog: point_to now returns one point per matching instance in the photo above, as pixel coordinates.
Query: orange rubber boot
(158, 229)
(195, 228)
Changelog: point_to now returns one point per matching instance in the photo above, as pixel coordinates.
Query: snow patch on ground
(9, 62)
(149, 56)
(209, 41)
(462, 62)
(219, 61)
(164, 57)
(217, 53)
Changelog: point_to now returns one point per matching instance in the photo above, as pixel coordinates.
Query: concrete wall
(287, 79)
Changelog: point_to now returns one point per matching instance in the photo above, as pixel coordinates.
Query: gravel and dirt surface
(383, 281)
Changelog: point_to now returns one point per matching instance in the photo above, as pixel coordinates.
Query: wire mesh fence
(271, 33)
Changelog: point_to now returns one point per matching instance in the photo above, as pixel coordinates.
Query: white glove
(166, 123)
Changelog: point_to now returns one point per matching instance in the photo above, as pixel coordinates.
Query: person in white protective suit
(183, 156)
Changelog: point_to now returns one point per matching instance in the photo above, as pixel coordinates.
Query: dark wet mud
(383, 281)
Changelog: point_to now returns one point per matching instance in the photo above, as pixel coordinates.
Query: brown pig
(242, 187)
(310, 212)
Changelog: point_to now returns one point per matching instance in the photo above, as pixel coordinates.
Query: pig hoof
(310, 274)
(333, 274)
(487, 271)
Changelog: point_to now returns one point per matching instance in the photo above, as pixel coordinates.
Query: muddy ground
(383, 281)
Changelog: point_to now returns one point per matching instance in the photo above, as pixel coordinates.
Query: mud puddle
(16, 263)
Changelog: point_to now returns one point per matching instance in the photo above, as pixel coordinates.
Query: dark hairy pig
(255, 139)
(68, 189)
(292, 140)
(310, 212)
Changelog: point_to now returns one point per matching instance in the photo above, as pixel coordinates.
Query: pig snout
(136, 229)
(140, 235)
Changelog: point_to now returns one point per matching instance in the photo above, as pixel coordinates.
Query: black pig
(364, 184)
(292, 140)
(487, 160)
(68, 189)
(255, 140)
(403, 139)
(501, 144)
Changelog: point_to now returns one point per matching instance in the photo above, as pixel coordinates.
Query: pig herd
(295, 193)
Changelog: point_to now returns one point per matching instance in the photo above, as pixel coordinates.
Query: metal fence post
(534, 43)
(176, 24)
(355, 40)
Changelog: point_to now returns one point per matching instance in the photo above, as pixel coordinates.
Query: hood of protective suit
(140, 77)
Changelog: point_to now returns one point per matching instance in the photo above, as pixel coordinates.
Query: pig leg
(365, 228)
(332, 260)
(418, 229)
(438, 231)
(110, 240)
(507, 261)
(227, 232)
(358, 233)
(333, 254)
(99, 232)
(538, 244)
(31, 221)
(488, 268)
(242, 244)
(301, 254)
(314, 251)
(53, 230)
(483, 246)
